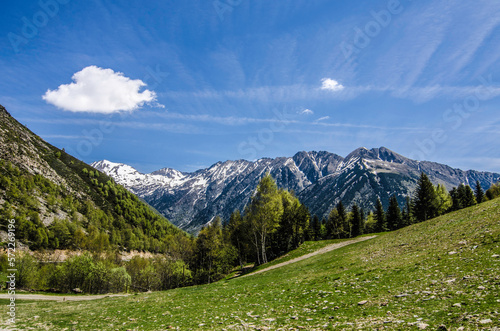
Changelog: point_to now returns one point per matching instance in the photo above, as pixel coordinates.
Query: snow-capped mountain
(320, 180)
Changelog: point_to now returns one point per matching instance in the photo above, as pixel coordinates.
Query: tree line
(123, 222)
(273, 223)
(428, 201)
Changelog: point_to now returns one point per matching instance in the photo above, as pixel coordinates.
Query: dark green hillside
(59, 201)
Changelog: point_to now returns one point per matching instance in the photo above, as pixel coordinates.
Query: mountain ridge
(59, 201)
(319, 178)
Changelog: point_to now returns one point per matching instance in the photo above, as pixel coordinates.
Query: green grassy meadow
(443, 273)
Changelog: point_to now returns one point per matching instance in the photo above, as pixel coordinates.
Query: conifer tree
(394, 217)
(469, 197)
(337, 225)
(343, 219)
(455, 198)
(238, 235)
(381, 224)
(424, 200)
(316, 227)
(356, 221)
(479, 192)
(407, 212)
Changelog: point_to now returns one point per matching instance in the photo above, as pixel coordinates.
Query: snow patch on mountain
(320, 180)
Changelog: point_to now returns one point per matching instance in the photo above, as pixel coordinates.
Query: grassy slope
(414, 275)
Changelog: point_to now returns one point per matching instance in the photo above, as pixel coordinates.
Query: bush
(27, 271)
(75, 273)
(119, 280)
(99, 278)
(493, 192)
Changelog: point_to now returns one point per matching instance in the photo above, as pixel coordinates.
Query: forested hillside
(59, 201)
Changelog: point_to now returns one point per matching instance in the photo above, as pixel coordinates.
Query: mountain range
(319, 179)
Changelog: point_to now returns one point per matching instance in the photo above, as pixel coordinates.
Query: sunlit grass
(441, 272)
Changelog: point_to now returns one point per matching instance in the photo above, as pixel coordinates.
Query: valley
(445, 276)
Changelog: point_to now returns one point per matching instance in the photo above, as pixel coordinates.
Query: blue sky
(184, 84)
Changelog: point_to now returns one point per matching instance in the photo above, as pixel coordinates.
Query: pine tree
(316, 227)
(356, 221)
(394, 217)
(337, 225)
(469, 197)
(407, 212)
(381, 224)
(425, 199)
(479, 192)
(238, 235)
(455, 198)
(343, 218)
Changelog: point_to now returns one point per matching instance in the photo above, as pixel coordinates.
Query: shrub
(119, 280)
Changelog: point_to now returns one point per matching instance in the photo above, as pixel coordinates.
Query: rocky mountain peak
(320, 179)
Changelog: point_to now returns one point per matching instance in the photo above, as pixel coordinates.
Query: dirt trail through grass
(43, 297)
(60, 297)
(318, 252)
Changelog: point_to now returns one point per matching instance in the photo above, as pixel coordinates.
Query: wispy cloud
(61, 136)
(307, 112)
(481, 22)
(438, 47)
(324, 118)
(224, 120)
(310, 93)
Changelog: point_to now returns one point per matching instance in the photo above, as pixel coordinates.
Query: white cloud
(307, 112)
(331, 85)
(323, 118)
(100, 90)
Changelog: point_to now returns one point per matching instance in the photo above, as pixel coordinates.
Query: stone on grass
(422, 326)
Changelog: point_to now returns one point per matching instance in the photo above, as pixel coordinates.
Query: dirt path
(60, 297)
(318, 252)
